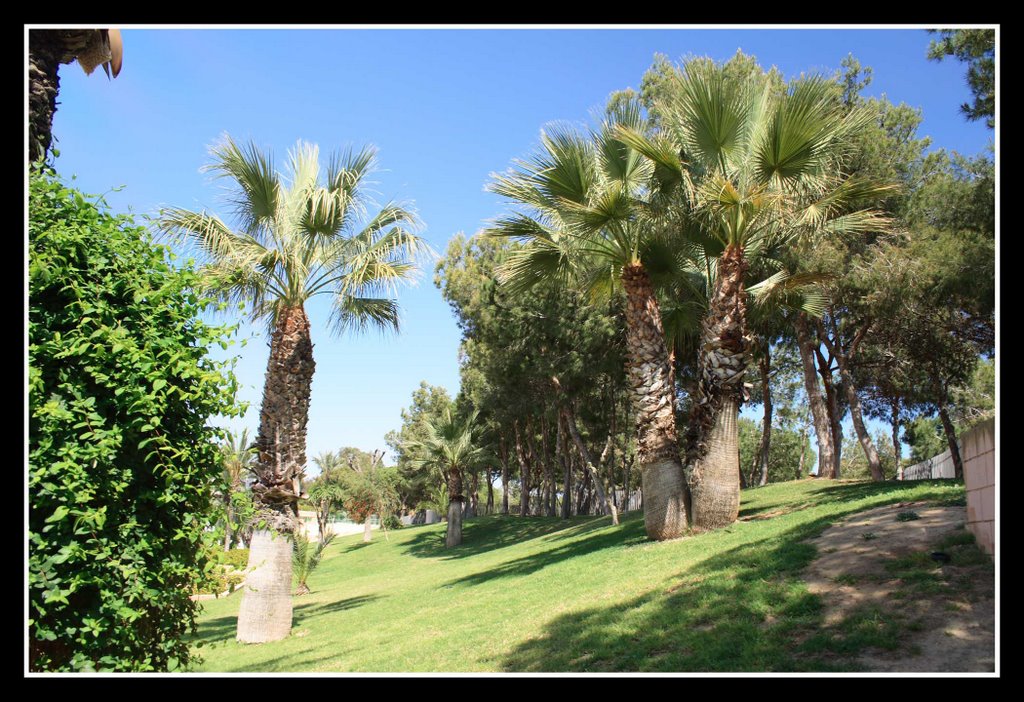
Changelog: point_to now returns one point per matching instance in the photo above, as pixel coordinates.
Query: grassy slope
(542, 594)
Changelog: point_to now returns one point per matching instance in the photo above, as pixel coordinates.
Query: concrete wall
(940, 466)
(979, 458)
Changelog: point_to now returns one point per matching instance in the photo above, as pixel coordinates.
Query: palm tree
(450, 445)
(761, 170)
(296, 239)
(237, 456)
(47, 50)
(326, 491)
(589, 218)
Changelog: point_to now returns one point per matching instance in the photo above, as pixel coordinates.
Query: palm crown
(298, 238)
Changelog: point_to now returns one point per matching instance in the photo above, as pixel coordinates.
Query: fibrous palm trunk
(47, 50)
(281, 458)
(652, 391)
(713, 431)
(453, 537)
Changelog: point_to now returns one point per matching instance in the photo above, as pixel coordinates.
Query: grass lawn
(542, 594)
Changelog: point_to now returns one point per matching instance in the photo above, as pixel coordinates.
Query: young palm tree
(326, 492)
(589, 219)
(450, 445)
(760, 170)
(237, 458)
(297, 238)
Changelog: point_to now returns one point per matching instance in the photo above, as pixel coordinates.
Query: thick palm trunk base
(664, 499)
(652, 392)
(716, 496)
(712, 446)
(454, 534)
(266, 610)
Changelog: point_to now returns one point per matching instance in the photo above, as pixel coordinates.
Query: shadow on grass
(629, 533)
(296, 661)
(216, 631)
(315, 609)
(488, 533)
(744, 609)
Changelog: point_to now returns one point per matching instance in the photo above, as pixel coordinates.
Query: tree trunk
(832, 408)
(652, 390)
(367, 530)
(894, 405)
(453, 537)
(228, 519)
(874, 463)
(471, 505)
(766, 429)
(281, 451)
(822, 426)
(713, 432)
(574, 432)
(803, 454)
(524, 475)
(566, 467)
(490, 492)
(265, 613)
(954, 449)
(504, 474)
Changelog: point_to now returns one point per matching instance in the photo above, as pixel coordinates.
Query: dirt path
(873, 561)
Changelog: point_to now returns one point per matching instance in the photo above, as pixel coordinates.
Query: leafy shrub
(237, 558)
(121, 456)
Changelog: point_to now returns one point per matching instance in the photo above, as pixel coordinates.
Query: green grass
(542, 594)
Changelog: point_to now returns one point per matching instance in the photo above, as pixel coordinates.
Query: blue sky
(445, 108)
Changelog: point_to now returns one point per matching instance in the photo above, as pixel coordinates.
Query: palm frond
(254, 199)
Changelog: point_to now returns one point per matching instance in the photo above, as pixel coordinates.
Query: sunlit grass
(543, 594)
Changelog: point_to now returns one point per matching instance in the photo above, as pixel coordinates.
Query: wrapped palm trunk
(453, 537)
(713, 431)
(264, 614)
(652, 392)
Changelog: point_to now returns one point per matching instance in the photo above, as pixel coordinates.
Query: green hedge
(121, 454)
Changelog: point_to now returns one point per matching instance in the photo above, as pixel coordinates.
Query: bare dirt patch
(872, 562)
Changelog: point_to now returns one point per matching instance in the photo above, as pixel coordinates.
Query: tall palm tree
(451, 446)
(47, 50)
(589, 218)
(297, 238)
(760, 169)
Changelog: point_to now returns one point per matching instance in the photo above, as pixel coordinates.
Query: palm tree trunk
(281, 446)
(713, 431)
(265, 613)
(453, 537)
(822, 426)
(766, 428)
(652, 390)
(228, 520)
